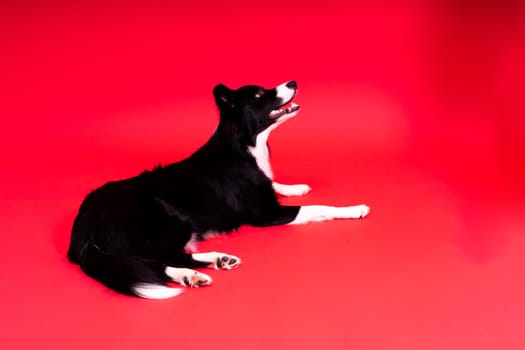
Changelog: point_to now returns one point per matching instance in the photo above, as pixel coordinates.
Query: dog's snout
(291, 84)
(286, 91)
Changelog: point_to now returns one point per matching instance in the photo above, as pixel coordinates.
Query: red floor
(415, 110)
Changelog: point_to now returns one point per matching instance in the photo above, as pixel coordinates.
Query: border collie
(135, 235)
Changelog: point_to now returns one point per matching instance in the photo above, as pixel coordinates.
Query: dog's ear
(223, 96)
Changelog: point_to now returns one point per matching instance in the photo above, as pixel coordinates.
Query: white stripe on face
(285, 93)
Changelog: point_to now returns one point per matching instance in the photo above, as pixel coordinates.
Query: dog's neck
(261, 153)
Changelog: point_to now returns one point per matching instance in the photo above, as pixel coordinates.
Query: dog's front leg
(284, 214)
(316, 213)
(291, 190)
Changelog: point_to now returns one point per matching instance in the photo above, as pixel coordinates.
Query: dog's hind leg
(291, 190)
(215, 260)
(218, 261)
(187, 277)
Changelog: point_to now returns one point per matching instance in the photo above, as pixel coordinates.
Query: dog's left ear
(223, 96)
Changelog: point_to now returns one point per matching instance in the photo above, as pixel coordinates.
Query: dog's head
(250, 110)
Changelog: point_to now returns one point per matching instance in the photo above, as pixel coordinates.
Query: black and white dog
(134, 235)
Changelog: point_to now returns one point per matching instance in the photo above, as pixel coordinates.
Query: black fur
(128, 231)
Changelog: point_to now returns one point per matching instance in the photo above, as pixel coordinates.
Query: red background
(416, 110)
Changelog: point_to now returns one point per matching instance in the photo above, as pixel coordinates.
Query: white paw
(293, 190)
(188, 277)
(217, 260)
(226, 262)
(359, 211)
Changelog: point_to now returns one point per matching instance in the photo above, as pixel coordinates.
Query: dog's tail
(125, 274)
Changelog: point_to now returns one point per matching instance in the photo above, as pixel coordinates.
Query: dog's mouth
(286, 109)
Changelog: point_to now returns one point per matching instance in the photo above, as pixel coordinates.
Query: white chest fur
(261, 152)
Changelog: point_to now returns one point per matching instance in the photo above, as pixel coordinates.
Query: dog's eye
(259, 94)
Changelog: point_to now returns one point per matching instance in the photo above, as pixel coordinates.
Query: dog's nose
(291, 84)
